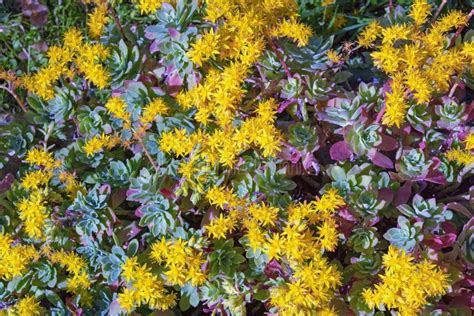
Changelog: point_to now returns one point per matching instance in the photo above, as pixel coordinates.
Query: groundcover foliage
(236, 157)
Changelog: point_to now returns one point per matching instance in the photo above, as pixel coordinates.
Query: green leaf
(342, 76)
(132, 248)
(54, 299)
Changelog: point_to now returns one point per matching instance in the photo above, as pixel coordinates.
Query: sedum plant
(236, 157)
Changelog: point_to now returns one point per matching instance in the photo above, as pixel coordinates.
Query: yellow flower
(219, 227)
(255, 235)
(97, 20)
(328, 235)
(418, 61)
(469, 141)
(118, 108)
(154, 108)
(395, 104)
(221, 196)
(126, 299)
(406, 285)
(40, 157)
(79, 281)
(73, 263)
(58, 55)
(35, 179)
(129, 268)
(266, 215)
(28, 306)
(145, 288)
(294, 30)
(14, 259)
(205, 48)
(177, 141)
(218, 8)
(419, 11)
(274, 246)
(73, 39)
(333, 56)
(33, 213)
(461, 156)
(96, 144)
(325, 3)
(369, 34)
(329, 202)
(148, 6)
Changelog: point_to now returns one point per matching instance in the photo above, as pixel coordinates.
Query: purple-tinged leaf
(380, 159)
(284, 105)
(155, 46)
(340, 151)
(117, 197)
(386, 194)
(407, 129)
(403, 194)
(440, 242)
(458, 207)
(6, 182)
(436, 176)
(347, 215)
(174, 80)
(374, 221)
(174, 33)
(388, 143)
(290, 153)
(105, 188)
(309, 161)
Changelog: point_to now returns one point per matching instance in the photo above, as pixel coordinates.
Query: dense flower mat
(236, 157)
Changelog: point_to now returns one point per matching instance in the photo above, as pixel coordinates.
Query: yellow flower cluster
(298, 240)
(149, 6)
(41, 158)
(26, 306)
(86, 57)
(97, 19)
(182, 261)
(244, 27)
(224, 146)
(310, 290)
(14, 258)
(416, 59)
(333, 56)
(469, 141)
(76, 266)
(144, 288)
(464, 157)
(205, 48)
(118, 108)
(293, 29)
(36, 179)
(32, 210)
(406, 285)
(152, 109)
(98, 143)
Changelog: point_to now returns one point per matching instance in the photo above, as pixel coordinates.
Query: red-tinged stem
(440, 8)
(150, 158)
(453, 89)
(274, 48)
(458, 32)
(17, 98)
(117, 23)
